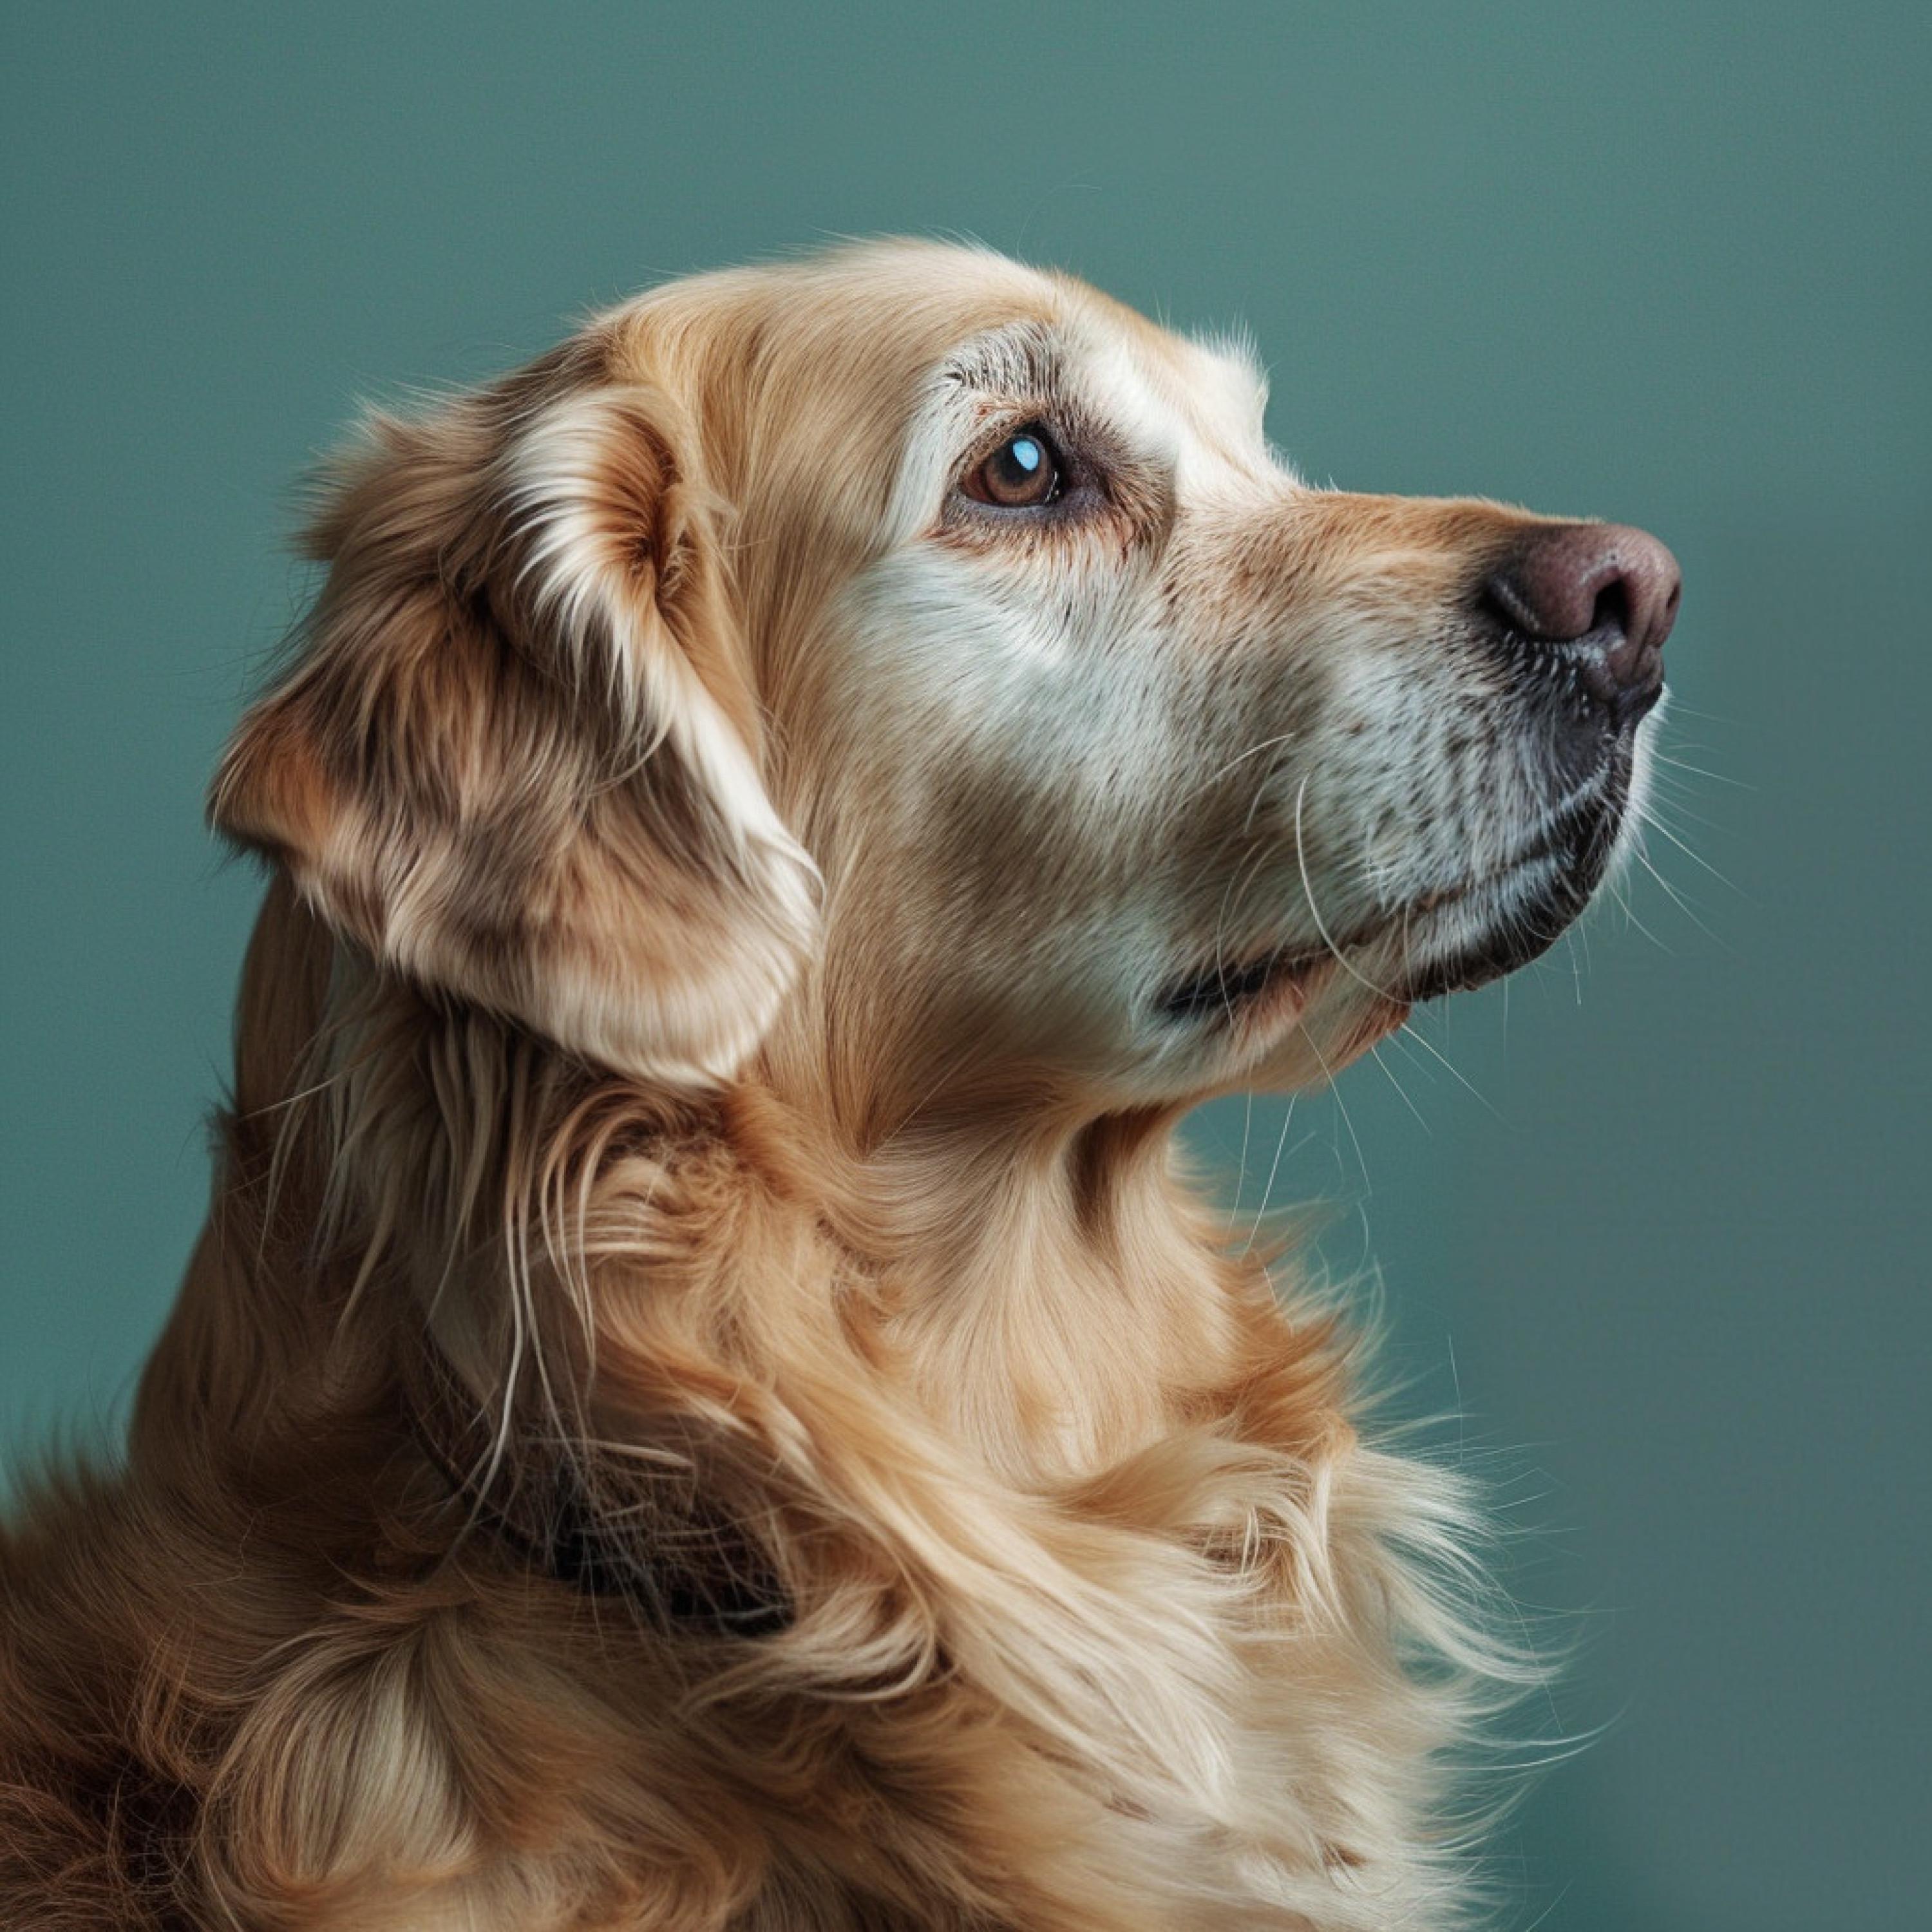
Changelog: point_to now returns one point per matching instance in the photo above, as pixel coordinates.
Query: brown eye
(1023, 473)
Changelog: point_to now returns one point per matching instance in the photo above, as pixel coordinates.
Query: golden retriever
(706, 1399)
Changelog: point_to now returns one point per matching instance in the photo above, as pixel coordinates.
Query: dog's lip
(1504, 944)
(1571, 852)
(1534, 898)
(1538, 851)
(1225, 986)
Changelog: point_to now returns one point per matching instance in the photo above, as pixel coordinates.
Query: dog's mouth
(1453, 940)
(1496, 923)
(1522, 928)
(1227, 987)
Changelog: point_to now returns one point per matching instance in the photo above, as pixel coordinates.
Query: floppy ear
(518, 758)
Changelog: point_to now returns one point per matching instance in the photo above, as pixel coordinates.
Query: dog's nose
(1603, 597)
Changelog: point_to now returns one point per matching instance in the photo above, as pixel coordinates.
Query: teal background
(1662, 1237)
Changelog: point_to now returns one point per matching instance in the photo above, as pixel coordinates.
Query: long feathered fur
(976, 1540)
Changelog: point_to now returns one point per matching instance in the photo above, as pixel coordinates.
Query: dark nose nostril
(1612, 610)
(1599, 598)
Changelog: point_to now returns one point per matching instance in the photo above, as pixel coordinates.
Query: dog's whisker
(1241, 757)
(1408, 1032)
(1664, 757)
(1630, 915)
(1315, 911)
(1676, 898)
(1650, 819)
(1274, 1169)
(1375, 1053)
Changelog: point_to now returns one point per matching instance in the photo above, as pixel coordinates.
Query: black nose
(1602, 598)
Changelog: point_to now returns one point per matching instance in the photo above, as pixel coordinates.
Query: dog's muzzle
(1580, 612)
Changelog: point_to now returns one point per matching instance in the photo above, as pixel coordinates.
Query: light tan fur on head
(706, 1400)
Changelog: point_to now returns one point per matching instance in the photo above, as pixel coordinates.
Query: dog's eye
(1022, 474)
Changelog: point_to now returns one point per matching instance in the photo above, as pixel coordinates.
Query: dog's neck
(1041, 1260)
(1047, 1274)
(1028, 1277)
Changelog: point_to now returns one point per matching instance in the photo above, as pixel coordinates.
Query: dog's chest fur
(1039, 1669)
(1068, 1638)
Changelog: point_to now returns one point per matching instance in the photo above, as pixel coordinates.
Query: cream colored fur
(715, 998)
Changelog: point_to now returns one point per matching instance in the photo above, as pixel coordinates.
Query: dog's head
(922, 670)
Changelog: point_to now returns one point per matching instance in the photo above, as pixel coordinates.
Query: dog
(707, 1398)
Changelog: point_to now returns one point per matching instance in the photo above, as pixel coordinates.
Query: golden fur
(704, 1400)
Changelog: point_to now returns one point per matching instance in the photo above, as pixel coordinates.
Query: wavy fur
(965, 1537)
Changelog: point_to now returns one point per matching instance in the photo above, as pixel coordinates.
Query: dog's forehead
(1165, 390)
(845, 387)
(900, 322)
(1213, 383)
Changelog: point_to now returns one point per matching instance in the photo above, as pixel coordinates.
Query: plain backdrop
(1659, 1234)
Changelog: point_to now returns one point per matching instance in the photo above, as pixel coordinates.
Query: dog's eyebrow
(1019, 359)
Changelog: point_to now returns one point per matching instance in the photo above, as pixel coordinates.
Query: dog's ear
(518, 758)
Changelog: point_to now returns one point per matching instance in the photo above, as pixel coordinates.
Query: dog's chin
(1457, 939)
(1477, 934)
(1517, 936)
(1345, 992)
